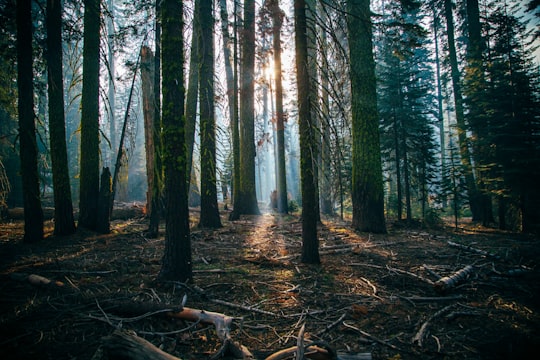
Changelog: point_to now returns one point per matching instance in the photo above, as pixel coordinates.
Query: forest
(269, 179)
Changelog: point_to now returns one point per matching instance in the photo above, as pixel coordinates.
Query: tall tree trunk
(33, 214)
(148, 97)
(192, 100)
(89, 168)
(246, 200)
(460, 115)
(235, 121)
(311, 25)
(111, 94)
(192, 94)
(157, 171)
(397, 148)
(476, 87)
(229, 73)
(209, 205)
(367, 182)
(277, 20)
(176, 263)
(64, 223)
(440, 115)
(310, 240)
(327, 206)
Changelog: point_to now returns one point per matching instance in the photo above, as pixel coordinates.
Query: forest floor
(372, 295)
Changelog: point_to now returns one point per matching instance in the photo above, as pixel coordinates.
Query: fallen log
(36, 280)
(126, 345)
(451, 281)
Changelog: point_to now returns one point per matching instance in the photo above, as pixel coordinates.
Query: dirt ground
(372, 295)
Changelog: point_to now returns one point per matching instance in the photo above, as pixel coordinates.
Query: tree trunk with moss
(156, 208)
(176, 262)
(209, 204)
(310, 240)
(245, 200)
(89, 167)
(367, 180)
(33, 214)
(64, 223)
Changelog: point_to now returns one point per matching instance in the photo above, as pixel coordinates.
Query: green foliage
(406, 106)
(293, 206)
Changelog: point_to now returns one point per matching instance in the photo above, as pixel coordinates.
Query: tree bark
(103, 224)
(147, 84)
(310, 240)
(157, 195)
(277, 21)
(192, 94)
(176, 262)
(209, 205)
(367, 183)
(460, 113)
(89, 166)
(245, 201)
(33, 214)
(64, 223)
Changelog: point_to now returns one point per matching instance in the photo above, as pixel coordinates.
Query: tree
(406, 104)
(310, 240)
(209, 205)
(157, 171)
(367, 184)
(176, 262)
(327, 202)
(476, 103)
(148, 98)
(464, 150)
(245, 199)
(277, 15)
(515, 124)
(192, 94)
(89, 168)
(63, 207)
(33, 214)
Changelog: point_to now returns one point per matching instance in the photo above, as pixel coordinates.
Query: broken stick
(451, 281)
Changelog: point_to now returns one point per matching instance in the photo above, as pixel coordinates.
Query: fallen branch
(36, 280)
(418, 338)
(123, 344)
(371, 337)
(473, 250)
(221, 322)
(399, 271)
(332, 325)
(243, 307)
(431, 298)
(312, 350)
(451, 281)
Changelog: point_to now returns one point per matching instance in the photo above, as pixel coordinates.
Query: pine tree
(209, 205)
(245, 199)
(367, 183)
(515, 124)
(33, 214)
(176, 262)
(64, 223)
(310, 240)
(89, 161)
